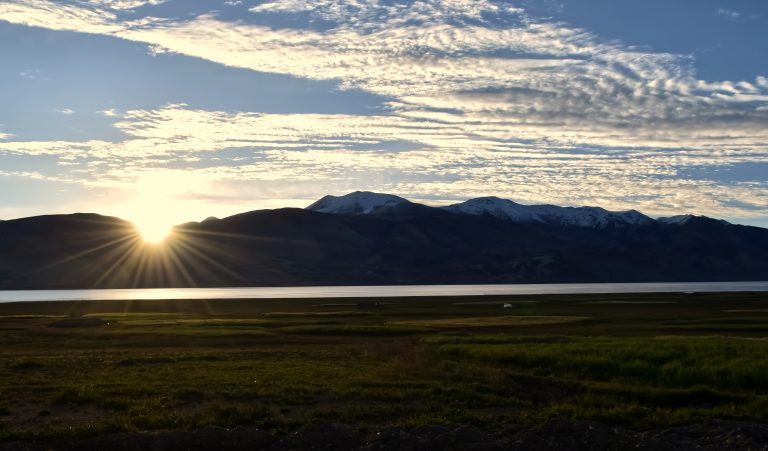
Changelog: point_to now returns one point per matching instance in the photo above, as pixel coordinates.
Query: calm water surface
(374, 291)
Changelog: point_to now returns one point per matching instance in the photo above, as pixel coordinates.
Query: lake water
(374, 291)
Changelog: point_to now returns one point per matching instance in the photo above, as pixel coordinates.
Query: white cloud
(729, 13)
(58, 16)
(375, 15)
(575, 80)
(283, 6)
(109, 113)
(31, 74)
(735, 16)
(125, 4)
(64, 111)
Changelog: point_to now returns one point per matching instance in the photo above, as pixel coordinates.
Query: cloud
(109, 113)
(446, 56)
(285, 6)
(64, 111)
(125, 4)
(32, 74)
(376, 15)
(241, 152)
(4, 135)
(59, 16)
(735, 16)
(730, 14)
(441, 55)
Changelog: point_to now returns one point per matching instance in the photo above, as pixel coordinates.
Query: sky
(178, 110)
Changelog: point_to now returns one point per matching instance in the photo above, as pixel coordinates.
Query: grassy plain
(639, 360)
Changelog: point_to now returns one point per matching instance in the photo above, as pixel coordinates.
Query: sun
(153, 231)
(158, 201)
(154, 207)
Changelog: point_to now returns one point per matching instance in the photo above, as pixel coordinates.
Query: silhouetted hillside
(403, 243)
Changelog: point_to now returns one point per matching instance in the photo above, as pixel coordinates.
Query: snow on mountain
(357, 203)
(684, 219)
(550, 214)
(678, 219)
(594, 216)
(494, 206)
(365, 202)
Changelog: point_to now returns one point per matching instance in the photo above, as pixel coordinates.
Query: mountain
(356, 203)
(365, 202)
(684, 219)
(383, 240)
(550, 214)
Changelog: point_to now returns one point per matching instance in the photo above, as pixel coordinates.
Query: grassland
(641, 361)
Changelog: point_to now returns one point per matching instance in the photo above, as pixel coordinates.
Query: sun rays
(154, 209)
(112, 253)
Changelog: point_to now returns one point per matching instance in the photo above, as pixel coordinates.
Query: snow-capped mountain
(356, 203)
(550, 214)
(495, 206)
(685, 219)
(389, 205)
(678, 219)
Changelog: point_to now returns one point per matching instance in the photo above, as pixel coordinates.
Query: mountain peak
(677, 219)
(687, 219)
(495, 206)
(356, 203)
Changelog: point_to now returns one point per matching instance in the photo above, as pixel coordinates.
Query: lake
(374, 291)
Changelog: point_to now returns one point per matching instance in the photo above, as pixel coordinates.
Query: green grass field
(641, 361)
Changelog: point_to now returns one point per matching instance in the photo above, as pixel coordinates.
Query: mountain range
(366, 238)
(361, 202)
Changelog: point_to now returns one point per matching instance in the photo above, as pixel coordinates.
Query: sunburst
(153, 231)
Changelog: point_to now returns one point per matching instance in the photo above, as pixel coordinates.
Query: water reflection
(372, 291)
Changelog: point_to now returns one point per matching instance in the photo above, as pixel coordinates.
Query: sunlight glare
(155, 209)
(153, 232)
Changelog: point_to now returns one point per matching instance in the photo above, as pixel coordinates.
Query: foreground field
(78, 369)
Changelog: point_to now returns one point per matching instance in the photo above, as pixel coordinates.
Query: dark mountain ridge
(397, 242)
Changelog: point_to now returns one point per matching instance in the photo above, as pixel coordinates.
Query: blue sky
(179, 110)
